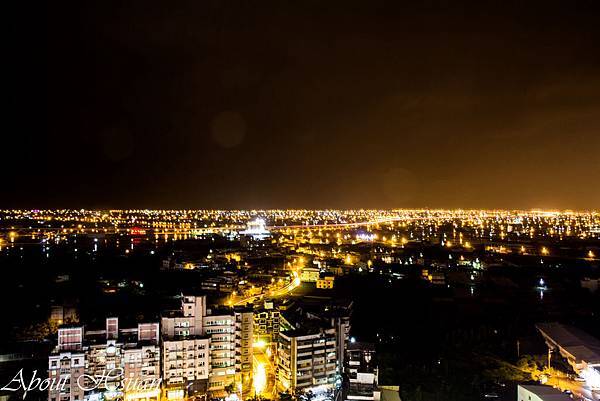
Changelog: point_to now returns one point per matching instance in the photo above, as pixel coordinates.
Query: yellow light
(259, 344)
(545, 251)
(135, 395)
(260, 378)
(591, 254)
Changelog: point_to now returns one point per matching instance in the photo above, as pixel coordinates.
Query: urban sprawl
(270, 304)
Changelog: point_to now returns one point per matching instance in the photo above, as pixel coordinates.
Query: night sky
(293, 104)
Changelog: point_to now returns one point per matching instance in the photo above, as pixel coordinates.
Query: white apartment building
(221, 330)
(66, 369)
(187, 321)
(129, 359)
(307, 359)
(186, 361)
(225, 338)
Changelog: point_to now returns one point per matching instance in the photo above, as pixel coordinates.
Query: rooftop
(577, 343)
(546, 393)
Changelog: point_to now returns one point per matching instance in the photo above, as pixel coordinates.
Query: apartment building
(108, 363)
(186, 365)
(266, 324)
(362, 373)
(220, 328)
(306, 359)
(244, 337)
(312, 344)
(325, 282)
(66, 370)
(187, 321)
(221, 341)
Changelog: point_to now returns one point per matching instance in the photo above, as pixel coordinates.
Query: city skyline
(342, 200)
(300, 305)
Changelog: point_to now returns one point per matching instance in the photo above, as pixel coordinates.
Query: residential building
(220, 327)
(309, 274)
(361, 372)
(66, 369)
(266, 324)
(244, 337)
(325, 282)
(107, 363)
(306, 359)
(186, 365)
(222, 343)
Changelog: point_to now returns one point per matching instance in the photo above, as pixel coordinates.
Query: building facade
(221, 341)
(106, 364)
(307, 359)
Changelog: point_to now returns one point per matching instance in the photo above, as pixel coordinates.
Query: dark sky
(275, 103)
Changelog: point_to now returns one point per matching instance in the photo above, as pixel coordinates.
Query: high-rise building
(244, 339)
(361, 372)
(185, 366)
(220, 327)
(312, 345)
(307, 358)
(224, 336)
(266, 324)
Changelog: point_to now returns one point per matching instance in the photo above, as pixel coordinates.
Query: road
(275, 293)
(577, 388)
(264, 374)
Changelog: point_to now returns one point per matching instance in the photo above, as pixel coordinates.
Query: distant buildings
(61, 314)
(325, 282)
(310, 274)
(591, 284)
(255, 230)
